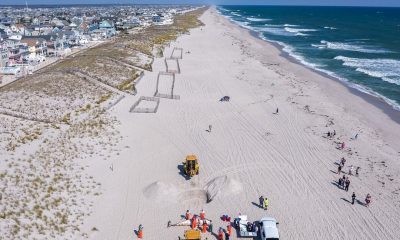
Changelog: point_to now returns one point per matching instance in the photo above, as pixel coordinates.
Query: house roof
(32, 41)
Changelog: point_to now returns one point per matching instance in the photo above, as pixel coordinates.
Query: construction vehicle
(192, 234)
(191, 166)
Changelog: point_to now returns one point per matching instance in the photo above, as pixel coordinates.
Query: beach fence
(172, 65)
(145, 105)
(177, 53)
(137, 80)
(165, 86)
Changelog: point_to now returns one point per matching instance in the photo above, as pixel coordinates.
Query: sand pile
(162, 191)
(218, 187)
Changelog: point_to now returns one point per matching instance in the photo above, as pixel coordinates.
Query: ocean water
(359, 46)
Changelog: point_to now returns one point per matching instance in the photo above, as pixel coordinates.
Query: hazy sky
(248, 2)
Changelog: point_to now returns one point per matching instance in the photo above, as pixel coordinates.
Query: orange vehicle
(191, 166)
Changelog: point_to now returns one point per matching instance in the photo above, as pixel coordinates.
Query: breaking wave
(386, 69)
(253, 19)
(349, 47)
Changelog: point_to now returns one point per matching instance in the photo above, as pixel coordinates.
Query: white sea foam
(273, 25)
(296, 30)
(290, 25)
(332, 28)
(273, 30)
(291, 51)
(386, 69)
(253, 19)
(320, 46)
(278, 30)
(299, 31)
(243, 24)
(319, 68)
(351, 47)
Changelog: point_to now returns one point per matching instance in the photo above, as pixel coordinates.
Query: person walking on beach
(328, 134)
(209, 128)
(261, 201)
(351, 170)
(339, 169)
(357, 169)
(343, 181)
(342, 146)
(347, 184)
(356, 136)
(342, 161)
(367, 200)
(334, 132)
(266, 203)
(353, 198)
(277, 111)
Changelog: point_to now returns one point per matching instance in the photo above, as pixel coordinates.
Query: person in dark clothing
(353, 198)
(339, 169)
(340, 182)
(277, 111)
(261, 200)
(342, 161)
(226, 236)
(357, 169)
(347, 183)
(343, 181)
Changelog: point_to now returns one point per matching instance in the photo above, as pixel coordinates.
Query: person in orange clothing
(229, 228)
(140, 231)
(204, 229)
(220, 234)
(194, 222)
(202, 215)
(187, 215)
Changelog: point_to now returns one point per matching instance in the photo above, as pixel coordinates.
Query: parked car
(269, 229)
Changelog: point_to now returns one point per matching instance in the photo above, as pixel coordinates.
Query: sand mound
(162, 191)
(222, 186)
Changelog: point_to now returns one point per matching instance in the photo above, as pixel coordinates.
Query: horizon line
(193, 4)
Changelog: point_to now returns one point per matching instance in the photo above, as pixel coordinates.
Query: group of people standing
(264, 202)
(344, 182)
(351, 168)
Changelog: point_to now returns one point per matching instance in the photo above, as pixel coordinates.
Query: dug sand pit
(222, 186)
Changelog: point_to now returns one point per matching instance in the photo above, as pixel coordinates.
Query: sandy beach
(99, 151)
(250, 151)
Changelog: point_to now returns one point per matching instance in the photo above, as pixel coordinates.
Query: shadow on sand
(182, 172)
(257, 205)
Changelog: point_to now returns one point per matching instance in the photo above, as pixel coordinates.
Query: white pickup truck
(246, 228)
(268, 229)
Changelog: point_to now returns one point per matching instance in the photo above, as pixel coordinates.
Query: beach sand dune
(251, 150)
